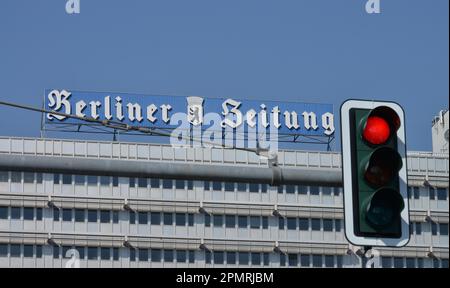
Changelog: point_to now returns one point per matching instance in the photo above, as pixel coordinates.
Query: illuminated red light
(376, 131)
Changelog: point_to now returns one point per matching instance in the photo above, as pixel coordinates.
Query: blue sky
(321, 51)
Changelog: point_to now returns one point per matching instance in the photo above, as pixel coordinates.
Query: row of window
(439, 193)
(306, 224)
(402, 262)
(314, 260)
(436, 228)
(17, 250)
(311, 190)
(233, 258)
(18, 213)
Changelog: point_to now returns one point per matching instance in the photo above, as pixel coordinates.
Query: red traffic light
(377, 130)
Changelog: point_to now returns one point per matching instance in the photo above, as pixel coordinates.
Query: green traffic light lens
(384, 207)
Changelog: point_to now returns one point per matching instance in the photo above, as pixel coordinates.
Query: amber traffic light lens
(383, 164)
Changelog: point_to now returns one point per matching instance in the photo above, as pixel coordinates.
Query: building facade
(141, 222)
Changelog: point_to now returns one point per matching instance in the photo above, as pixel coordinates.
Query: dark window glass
(79, 179)
(132, 217)
(3, 212)
(180, 219)
(191, 256)
(217, 186)
(81, 252)
(208, 257)
(434, 228)
(55, 214)
(264, 188)
(416, 192)
(191, 219)
(168, 218)
(266, 259)
(398, 262)
(256, 258)
(280, 189)
(67, 215)
(154, 183)
(115, 254)
(242, 187)
(218, 257)
(327, 225)
(67, 179)
(156, 255)
(16, 177)
(255, 222)
(65, 249)
(168, 255)
(418, 228)
(326, 190)
(242, 222)
(132, 183)
(155, 218)
(179, 184)
(4, 176)
(28, 213)
(419, 263)
(105, 180)
(314, 190)
(181, 256)
(281, 223)
(293, 260)
(432, 193)
(290, 189)
(115, 217)
(92, 253)
(253, 187)
(206, 186)
(92, 216)
(304, 260)
(282, 260)
(27, 251)
(142, 182)
(207, 220)
(329, 261)
(231, 258)
(143, 255)
(444, 263)
(337, 191)
(92, 180)
(38, 214)
(337, 224)
(105, 253)
(115, 181)
(317, 260)
(265, 222)
(303, 224)
(218, 220)
(105, 216)
(38, 251)
(230, 221)
(243, 258)
(442, 194)
(56, 252)
(167, 184)
(15, 213)
(190, 184)
(55, 179)
(436, 263)
(143, 218)
(229, 186)
(28, 177)
(443, 229)
(302, 190)
(410, 263)
(315, 224)
(291, 223)
(132, 255)
(386, 262)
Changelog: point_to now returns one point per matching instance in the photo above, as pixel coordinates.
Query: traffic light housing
(374, 173)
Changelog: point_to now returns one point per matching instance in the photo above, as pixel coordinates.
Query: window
(242, 222)
(167, 184)
(253, 187)
(16, 177)
(115, 217)
(304, 260)
(28, 251)
(337, 191)
(326, 191)
(243, 258)
(266, 259)
(115, 181)
(79, 179)
(105, 216)
(190, 185)
(155, 218)
(242, 187)
(15, 250)
(263, 188)
(132, 217)
(442, 194)
(444, 263)
(179, 184)
(132, 255)
(92, 253)
(28, 213)
(418, 228)
(265, 222)
(142, 182)
(55, 214)
(28, 177)
(398, 262)
(81, 252)
(217, 186)
(327, 225)
(92, 180)
(15, 213)
(4, 176)
(433, 228)
(115, 254)
(168, 218)
(3, 212)
(314, 190)
(38, 251)
(281, 223)
(55, 179)
(39, 214)
(154, 183)
(92, 216)
(143, 255)
(207, 220)
(282, 260)
(280, 189)
(218, 257)
(416, 192)
(443, 229)
(337, 224)
(315, 224)
(142, 218)
(255, 222)
(56, 252)
(191, 256)
(230, 221)
(191, 219)
(168, 255)
(181, 256)
(432, 193)
(132, 183)
(291, 223)
(104, 181)
(206, 186)
(317, 260)
(231, 258)
(67, 179)
(410, 262)
(105, 253)
(419, 263)
(436, 263)
(156, 255)
(329, 261)
(293, 260)
(290, 189)
(255, 258)
(218, 220)
(180, 219)
(302, 190)
(67, 215)
(208, 257)
(303, 224)
(386, 262)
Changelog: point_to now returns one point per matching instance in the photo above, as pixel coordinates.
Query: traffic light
(374, 173)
